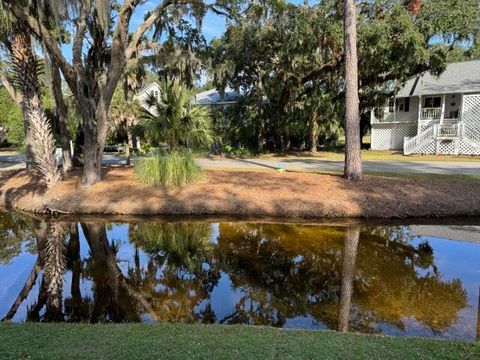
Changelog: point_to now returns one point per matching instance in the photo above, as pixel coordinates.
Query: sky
(213, 25)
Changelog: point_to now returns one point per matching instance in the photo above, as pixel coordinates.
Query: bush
(169, 169)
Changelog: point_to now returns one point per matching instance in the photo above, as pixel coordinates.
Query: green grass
(169, 170)
(374, 156)
(168, 341)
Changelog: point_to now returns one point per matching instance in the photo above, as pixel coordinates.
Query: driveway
(11, 161)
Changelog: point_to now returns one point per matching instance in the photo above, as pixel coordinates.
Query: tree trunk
(352, 237)
(312, 133)
(95, 131)
(62, 117)
(25, 66)
(129, 144)
(261, 125)
(78, 149)
(353, 162)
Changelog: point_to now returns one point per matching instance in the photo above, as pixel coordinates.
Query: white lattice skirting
(390, 136)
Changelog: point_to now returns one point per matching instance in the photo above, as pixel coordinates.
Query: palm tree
(353, 161)
(173, 120)
(17, 40)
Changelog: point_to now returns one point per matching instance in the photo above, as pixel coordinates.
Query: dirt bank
(242, 194)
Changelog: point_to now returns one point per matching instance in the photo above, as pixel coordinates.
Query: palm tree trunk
(353, 162)
(352, 237)
(25, 66)
(62, 114)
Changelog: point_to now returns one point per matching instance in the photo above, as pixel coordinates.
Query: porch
(446, 125)
(443, 110)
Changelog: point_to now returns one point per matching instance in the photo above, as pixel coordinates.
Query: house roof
(463, 77)
(469, 233)
(212, 97)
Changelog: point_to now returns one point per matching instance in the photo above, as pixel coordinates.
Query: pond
(400, 280)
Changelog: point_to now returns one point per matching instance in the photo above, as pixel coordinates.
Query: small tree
(43, 144)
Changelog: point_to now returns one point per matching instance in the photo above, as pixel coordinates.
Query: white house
(145, 92)
(433, 115)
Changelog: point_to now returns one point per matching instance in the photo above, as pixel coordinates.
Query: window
(391, 105)
(407, 105)
(432, 102)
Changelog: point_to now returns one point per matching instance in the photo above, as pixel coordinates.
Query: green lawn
(374, 156)
(166, 341)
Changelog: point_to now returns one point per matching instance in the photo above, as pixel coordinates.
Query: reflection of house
(452, 232)
(214, 98)
(433, 115)
(150, 89)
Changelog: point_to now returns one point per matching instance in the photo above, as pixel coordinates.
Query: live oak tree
(102, 32)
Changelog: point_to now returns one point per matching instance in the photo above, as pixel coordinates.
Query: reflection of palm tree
(55, 266)
(352, 236)
(179, 251)
(179, 244)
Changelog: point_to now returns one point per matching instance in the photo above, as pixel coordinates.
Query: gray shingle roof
(461, 77)
(213, 96)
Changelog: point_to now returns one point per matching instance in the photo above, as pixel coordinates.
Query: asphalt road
(11, 161)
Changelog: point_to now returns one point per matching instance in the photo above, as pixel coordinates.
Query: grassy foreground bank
(169, 341)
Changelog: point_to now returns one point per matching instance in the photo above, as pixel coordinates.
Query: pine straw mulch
(246, 194)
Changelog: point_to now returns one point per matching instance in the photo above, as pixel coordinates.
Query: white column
(420, 102)
(460, 111)
(442, 115)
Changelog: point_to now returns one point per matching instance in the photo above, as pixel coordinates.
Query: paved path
(11, 161)
(424, 167)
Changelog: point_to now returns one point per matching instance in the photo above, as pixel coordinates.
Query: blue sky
(213, 25)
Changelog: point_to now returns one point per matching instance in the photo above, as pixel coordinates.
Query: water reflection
(364, 279)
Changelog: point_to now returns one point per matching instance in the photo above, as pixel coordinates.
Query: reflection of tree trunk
(104, 285)
(41, 233)
(113, 294)
(478, 317)
(352, 237)
(32, 278)
(76, 273)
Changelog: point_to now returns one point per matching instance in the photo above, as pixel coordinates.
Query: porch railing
(437, 131)
(449, 131)
(411, 143)
(431, 113)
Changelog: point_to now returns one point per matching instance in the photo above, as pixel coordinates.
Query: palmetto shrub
(177, 168)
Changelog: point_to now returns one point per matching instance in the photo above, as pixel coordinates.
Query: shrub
(168, 169)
